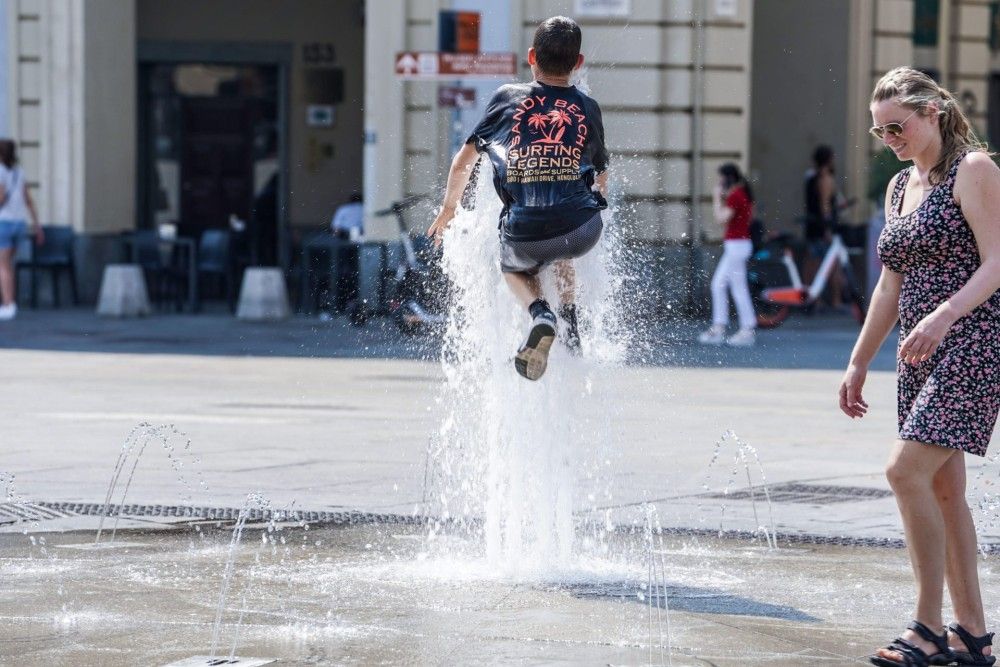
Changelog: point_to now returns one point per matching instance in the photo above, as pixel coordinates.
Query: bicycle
(417, 295)
(776, 286)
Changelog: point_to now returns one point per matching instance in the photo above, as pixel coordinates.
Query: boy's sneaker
(533, 356)
(571, 331)
(713, 336)
(8, 312)
(742, 338)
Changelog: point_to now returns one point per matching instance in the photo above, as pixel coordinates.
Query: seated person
(348, 220)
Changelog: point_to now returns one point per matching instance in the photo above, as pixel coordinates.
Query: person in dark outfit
(821, 201)
(940, 280)
(545, 140)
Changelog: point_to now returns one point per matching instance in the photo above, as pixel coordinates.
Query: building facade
(138, 113)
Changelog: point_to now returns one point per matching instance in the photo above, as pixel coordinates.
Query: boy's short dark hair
(557, 45)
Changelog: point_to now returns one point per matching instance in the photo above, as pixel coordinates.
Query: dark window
(925, 22)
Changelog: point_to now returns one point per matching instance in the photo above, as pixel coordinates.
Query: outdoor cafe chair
(165, 279)
(215, 263)
(54, 256)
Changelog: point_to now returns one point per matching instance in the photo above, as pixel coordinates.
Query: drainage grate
(232, 514)
(808, 494)
(16, 512)
(48, 510)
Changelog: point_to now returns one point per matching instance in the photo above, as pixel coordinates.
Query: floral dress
(951, 399)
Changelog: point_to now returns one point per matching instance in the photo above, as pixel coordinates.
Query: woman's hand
(440, 224)
(927, 335)
(39, 234)
(851, 402)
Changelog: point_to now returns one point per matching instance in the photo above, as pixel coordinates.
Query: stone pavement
(324, 417)
(333, 417)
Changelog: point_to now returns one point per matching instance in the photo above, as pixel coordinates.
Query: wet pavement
(379, 594)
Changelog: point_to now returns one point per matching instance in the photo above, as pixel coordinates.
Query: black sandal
(974, 656)
(913, 655)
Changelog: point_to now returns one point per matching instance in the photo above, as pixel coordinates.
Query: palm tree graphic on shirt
(555, 120)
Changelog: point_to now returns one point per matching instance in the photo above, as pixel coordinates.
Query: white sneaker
(742, 338)
(8, 312)
(713, 336)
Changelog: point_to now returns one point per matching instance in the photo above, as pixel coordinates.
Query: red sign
(434, 65)
(454, 97)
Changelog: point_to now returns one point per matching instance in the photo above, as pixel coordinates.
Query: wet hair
(8, 153)
(823, 156)
(557, 45)
(732, 176)
(915, 90)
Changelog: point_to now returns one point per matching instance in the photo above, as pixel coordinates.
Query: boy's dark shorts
(532, 256)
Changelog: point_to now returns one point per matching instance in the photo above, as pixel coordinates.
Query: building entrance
(211, 152)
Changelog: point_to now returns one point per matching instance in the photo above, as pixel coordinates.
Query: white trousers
(731, 274)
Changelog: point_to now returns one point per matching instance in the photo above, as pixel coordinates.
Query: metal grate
(16, 512)
(807, 494)
(232, 514)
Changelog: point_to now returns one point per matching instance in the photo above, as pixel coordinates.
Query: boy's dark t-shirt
(546, 144)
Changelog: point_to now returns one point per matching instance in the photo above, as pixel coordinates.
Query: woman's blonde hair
(915, 90)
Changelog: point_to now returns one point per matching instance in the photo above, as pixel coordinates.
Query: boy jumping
(546, 142)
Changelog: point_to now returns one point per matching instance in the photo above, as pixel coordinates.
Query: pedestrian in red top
(732, 205)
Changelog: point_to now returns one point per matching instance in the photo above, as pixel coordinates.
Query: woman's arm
(35, 227)
(722, 213)
(882, 317)
(977, 190)
(883, 313)
(458, 177)
(827, 192)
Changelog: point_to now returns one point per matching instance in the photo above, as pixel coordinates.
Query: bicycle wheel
(769, 314)
(761, 274)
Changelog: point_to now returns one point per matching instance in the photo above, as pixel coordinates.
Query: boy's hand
(441, 222)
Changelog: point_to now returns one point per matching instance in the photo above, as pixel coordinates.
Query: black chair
(166, 282)
(55, 256)
(215, 263)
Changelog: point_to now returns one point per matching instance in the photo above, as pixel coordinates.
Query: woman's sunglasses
(895, 129)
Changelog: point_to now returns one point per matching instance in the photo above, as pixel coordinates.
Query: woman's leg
(911, 471)
(742, 251)
(8, 290)
(961, 568)
(720, 284)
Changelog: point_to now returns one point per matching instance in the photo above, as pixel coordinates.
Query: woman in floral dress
(941, 254)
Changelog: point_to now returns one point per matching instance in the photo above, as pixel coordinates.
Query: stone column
(385, 34)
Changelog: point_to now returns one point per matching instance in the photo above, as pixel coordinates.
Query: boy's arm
(458, 178)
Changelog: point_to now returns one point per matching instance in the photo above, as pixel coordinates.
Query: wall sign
(319, 53)
(320, 115)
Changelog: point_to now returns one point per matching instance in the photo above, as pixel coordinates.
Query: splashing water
(505, 459)
(743, 452)
(134, 446)
(252, 501)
